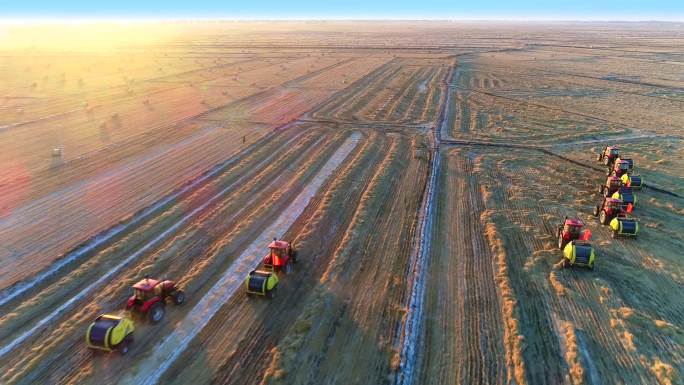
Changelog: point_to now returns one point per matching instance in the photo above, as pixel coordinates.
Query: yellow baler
(261, 282)
(110, 332)
(578, 253)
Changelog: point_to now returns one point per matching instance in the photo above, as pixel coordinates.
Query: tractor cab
(612, 204)
(622, 166)
(608, 155)
(281, 256)
(572, 229)
(150, 295)
(609, 209)
(613, 184)
(146, 289)
(149, 288)
(629, 161)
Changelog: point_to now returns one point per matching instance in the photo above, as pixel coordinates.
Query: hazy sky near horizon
(354, 9)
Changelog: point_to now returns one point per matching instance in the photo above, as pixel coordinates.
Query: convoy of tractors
(615, 210)
(111, 332)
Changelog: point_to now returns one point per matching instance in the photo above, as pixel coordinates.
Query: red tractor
(608, 155)
(608, 209)
(620, 167)
(150, 296)
(264, 282)
(571, 230)
(281, 257)
(612, 185)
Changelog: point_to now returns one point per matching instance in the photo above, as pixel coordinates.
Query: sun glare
(67, 34)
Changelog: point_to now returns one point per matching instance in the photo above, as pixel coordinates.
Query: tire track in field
(250, 352)
(355, 313)
(355, 93)
(464, 335)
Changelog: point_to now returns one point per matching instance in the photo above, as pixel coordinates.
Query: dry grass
(572, 354)
(513, 338)
(664, 372)
(557, 285)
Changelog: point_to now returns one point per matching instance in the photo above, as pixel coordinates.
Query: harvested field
(420, 168)
(402, 91)
(580, 315)
(460, 278)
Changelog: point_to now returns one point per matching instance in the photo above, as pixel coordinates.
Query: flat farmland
(404, 91)
(537, 309)
(419, 168)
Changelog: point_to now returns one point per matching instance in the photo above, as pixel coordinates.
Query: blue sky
(321, 9)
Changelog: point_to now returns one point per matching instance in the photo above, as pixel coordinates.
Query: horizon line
(134, 19)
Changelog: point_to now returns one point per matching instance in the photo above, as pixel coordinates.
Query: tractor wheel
(179, 297)
(602, 218)
(156, 312)
(288, 267)
(596, 211)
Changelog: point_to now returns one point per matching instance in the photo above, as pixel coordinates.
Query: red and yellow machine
(608, 209)
(620, 167)
(571, 229)
(264, 281)
(608, 155)
(611, 185)
(150, 295)
(281, 257)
